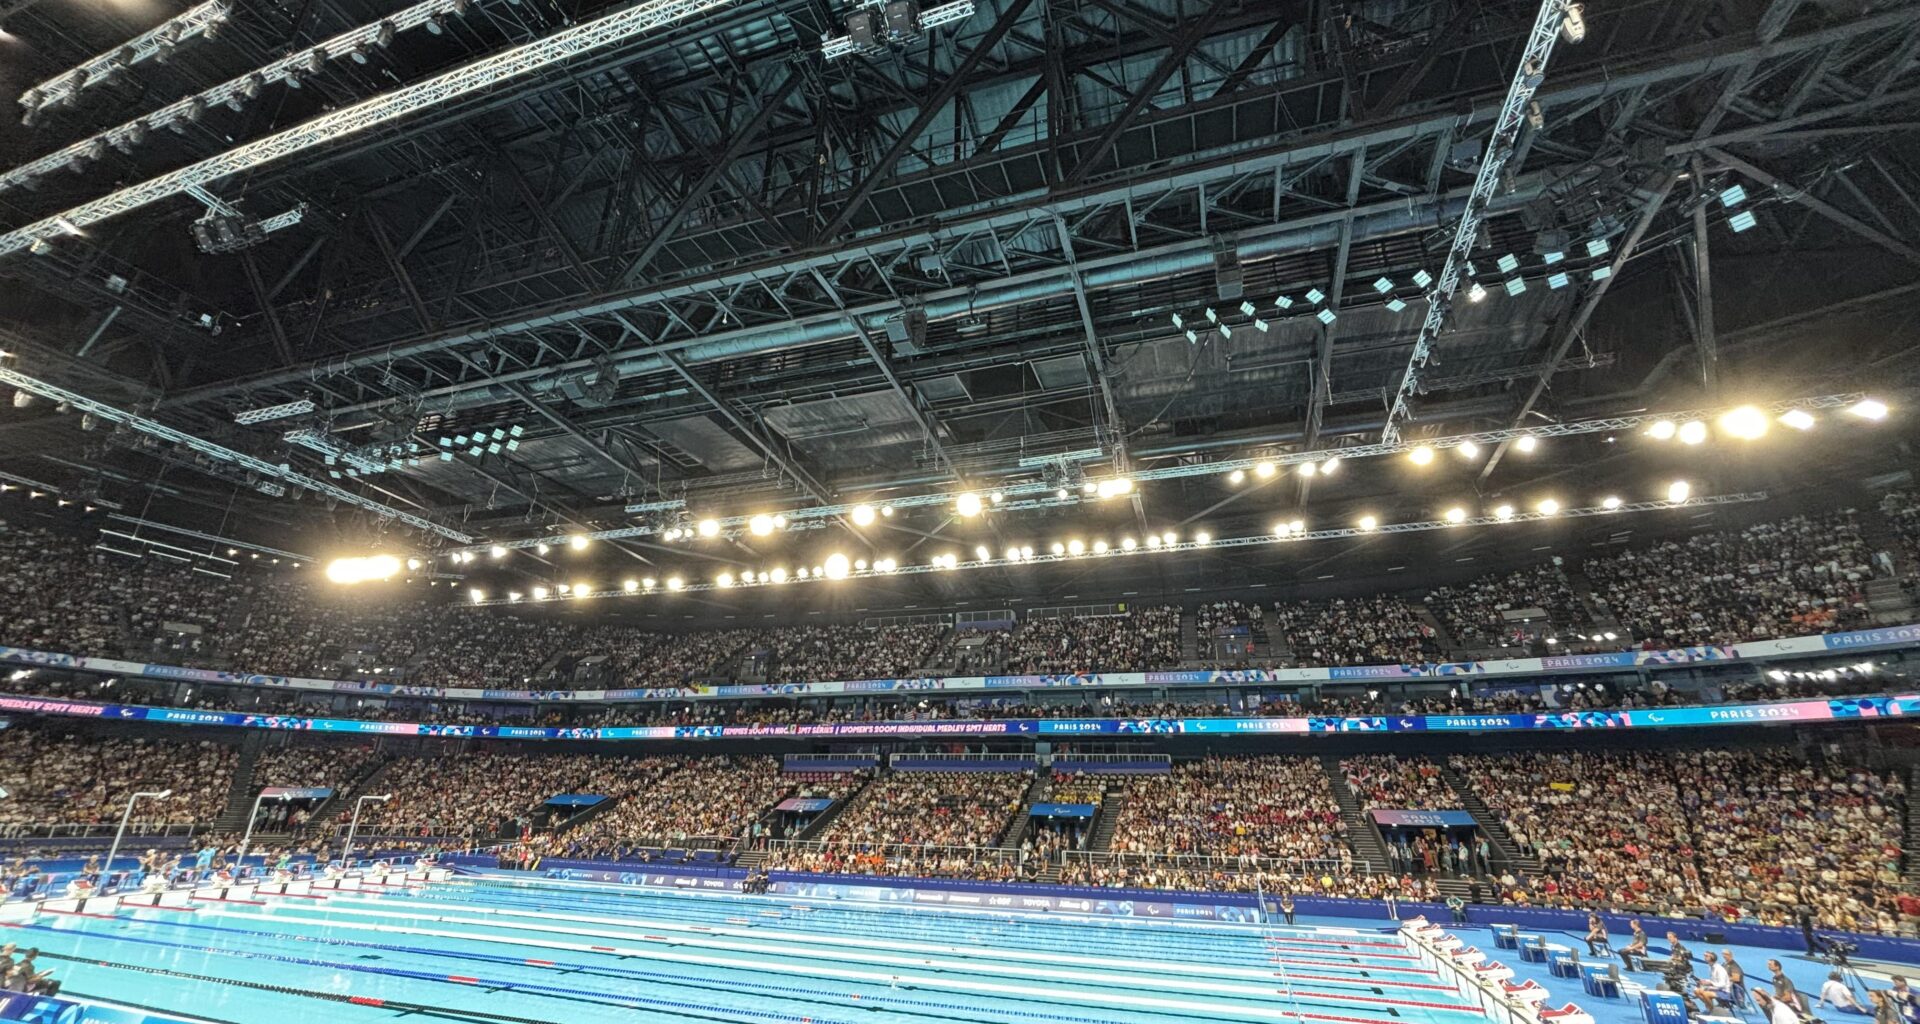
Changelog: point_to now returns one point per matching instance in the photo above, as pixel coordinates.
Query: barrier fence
(93, 830)
(1267, 867)
(892, 859)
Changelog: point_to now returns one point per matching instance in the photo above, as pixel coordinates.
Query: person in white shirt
(1718, 986)
(1776, 1010)
(1835, 993)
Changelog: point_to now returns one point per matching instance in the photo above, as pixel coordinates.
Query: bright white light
(582, 589)
(1368, 522)
(1153, 541)
(1610, 503)
(1662, 430)
(1548, 506)
(1099, 547)
(1238, 476)
(1679, 490)
(863, 515)
(968, 504)
(1693, 432)
(1468, 449)
(540, 593)
(1456, 515)
(413, 565)
(760, 525)
(649, 583)
(1114, 488)
(1169, 538)
(1746, 423)
(675, 583)
(513, 595)
(982, 553)
(577, 542)
(1527, 443)
(1012, 554)
(886, 510)
(996, 497)
(1870, 409)
(1298, 526)
(1075, 547)
(1421, 455)
(778, 575)
(1503, 513)
(497, 551)
(725, 579)
(630, 585)
(1058, 548)
(543, 549)
(1203, 537)
(1798, 419)
(860, 563)
(1476, 293)
(1327, 467)
(1308, 469)
(1264, 469)
(1281, 529)
(1060, 495)
(477, 595)
(1128, 544)
(709, 528)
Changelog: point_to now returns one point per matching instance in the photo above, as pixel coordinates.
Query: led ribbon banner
(1781, 713)
(1616, 661)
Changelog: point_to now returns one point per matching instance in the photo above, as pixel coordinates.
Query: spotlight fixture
(1662, 430)
(1746, 423)
(1456, 515)
(1527, 443)
(1869, 409)
(1421, 456)
(1238, 476)
(1798, 419)
(1548, 506)
(1308, 468)
(1327, 467)
(761, 525)
(1368, 522)
(1679, 491)
(968, 505)
(1610, 503)
(1693, 432)
(863, 515)
(577, 542)
(709, 528)
(1264, 469)
(630, 585)
(1467, 449)
(497, 551)
(1503, 513)
(1099, 547)
(836, 566)
(1203, 538)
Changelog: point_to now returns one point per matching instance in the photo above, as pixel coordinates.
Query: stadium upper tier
(1800, 576)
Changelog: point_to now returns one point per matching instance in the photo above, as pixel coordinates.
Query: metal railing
(1270, 866)
(1024, 760)
(91, 830)
(854, 857)
(1112, 758)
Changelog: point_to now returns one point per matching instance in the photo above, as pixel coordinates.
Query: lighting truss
(220, 453)
(269, 413)
(63, 88)
(481, 74)
(1506, 134)
(234, 93)
(836, 47)
(137, 522)
(1041, 494)
(223, 232)
(1189, 545)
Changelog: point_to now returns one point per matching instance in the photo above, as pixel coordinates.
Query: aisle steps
(1362, 834)
(1504, 850)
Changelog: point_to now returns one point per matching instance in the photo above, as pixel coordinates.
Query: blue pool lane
(502, 952)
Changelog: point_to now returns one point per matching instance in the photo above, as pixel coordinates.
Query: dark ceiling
(705, 266)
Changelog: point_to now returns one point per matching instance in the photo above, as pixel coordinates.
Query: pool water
(514, 951)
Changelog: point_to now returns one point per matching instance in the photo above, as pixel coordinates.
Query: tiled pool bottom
(573, 953)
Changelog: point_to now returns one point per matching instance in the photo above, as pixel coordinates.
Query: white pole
(355, 825)
(119, 833)
(246, 838)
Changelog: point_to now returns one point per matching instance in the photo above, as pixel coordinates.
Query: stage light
(675, 583)
(476, 595)
(1298, 525)
(497, 551)
(1476, 293)
(1115, 487)
(1012, 554)
(1264, 470)
(1421, 456)
(1869, 409)
(1307, 469)
(778, 575)
(1368, 523)
(1503, 513)
(1456, 515)
(837, 566)
(1128, 544)
(709, 528)
(1468, 449)
(543, 549)
(577, 542)
(513, 595)
(997, 497)
(1527, 443)
(968, 505)
(1076, 547)
(1060, 495)
(1746, 423)
(1679, 490)
(1610, 503)
(886, 510)
(649, 583)
(630, 585)
(1662, 430)
(1203, 537)
(982, 553)
(1693, 432)
(1282, 529)
(1099, 547)
(1548, 506)
(413, 565)
(540, 593)
(1238, 476)
(583, 590)
(860, 564)
(1798, 419)
(800, 573)
(1169, 538)
(1327, 467)
(725, 579)
(1153, 541)
(1058, 548)
(863, 515)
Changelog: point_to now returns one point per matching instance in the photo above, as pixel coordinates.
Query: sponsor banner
(1785, 712)
(1062, 810)
(804, 804)
(1422, 819)
(296, 792)
(48, 1010)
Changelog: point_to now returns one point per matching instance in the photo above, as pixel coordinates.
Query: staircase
(1504, 850)
(1016, 829)
(344, 799)
(1890, 602)
(1441, 637)
(1878, 531)
(817, 828)
(1910, 850)
(749, 859)
(240, 796)
(1106, 819)
(1362, 834)
(1189, 637)
(942, 655)
(585, 815)
(1598, 613)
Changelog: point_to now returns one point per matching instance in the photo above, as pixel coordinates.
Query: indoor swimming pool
(511, 951)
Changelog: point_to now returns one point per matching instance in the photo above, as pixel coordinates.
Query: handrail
(1212, 861)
